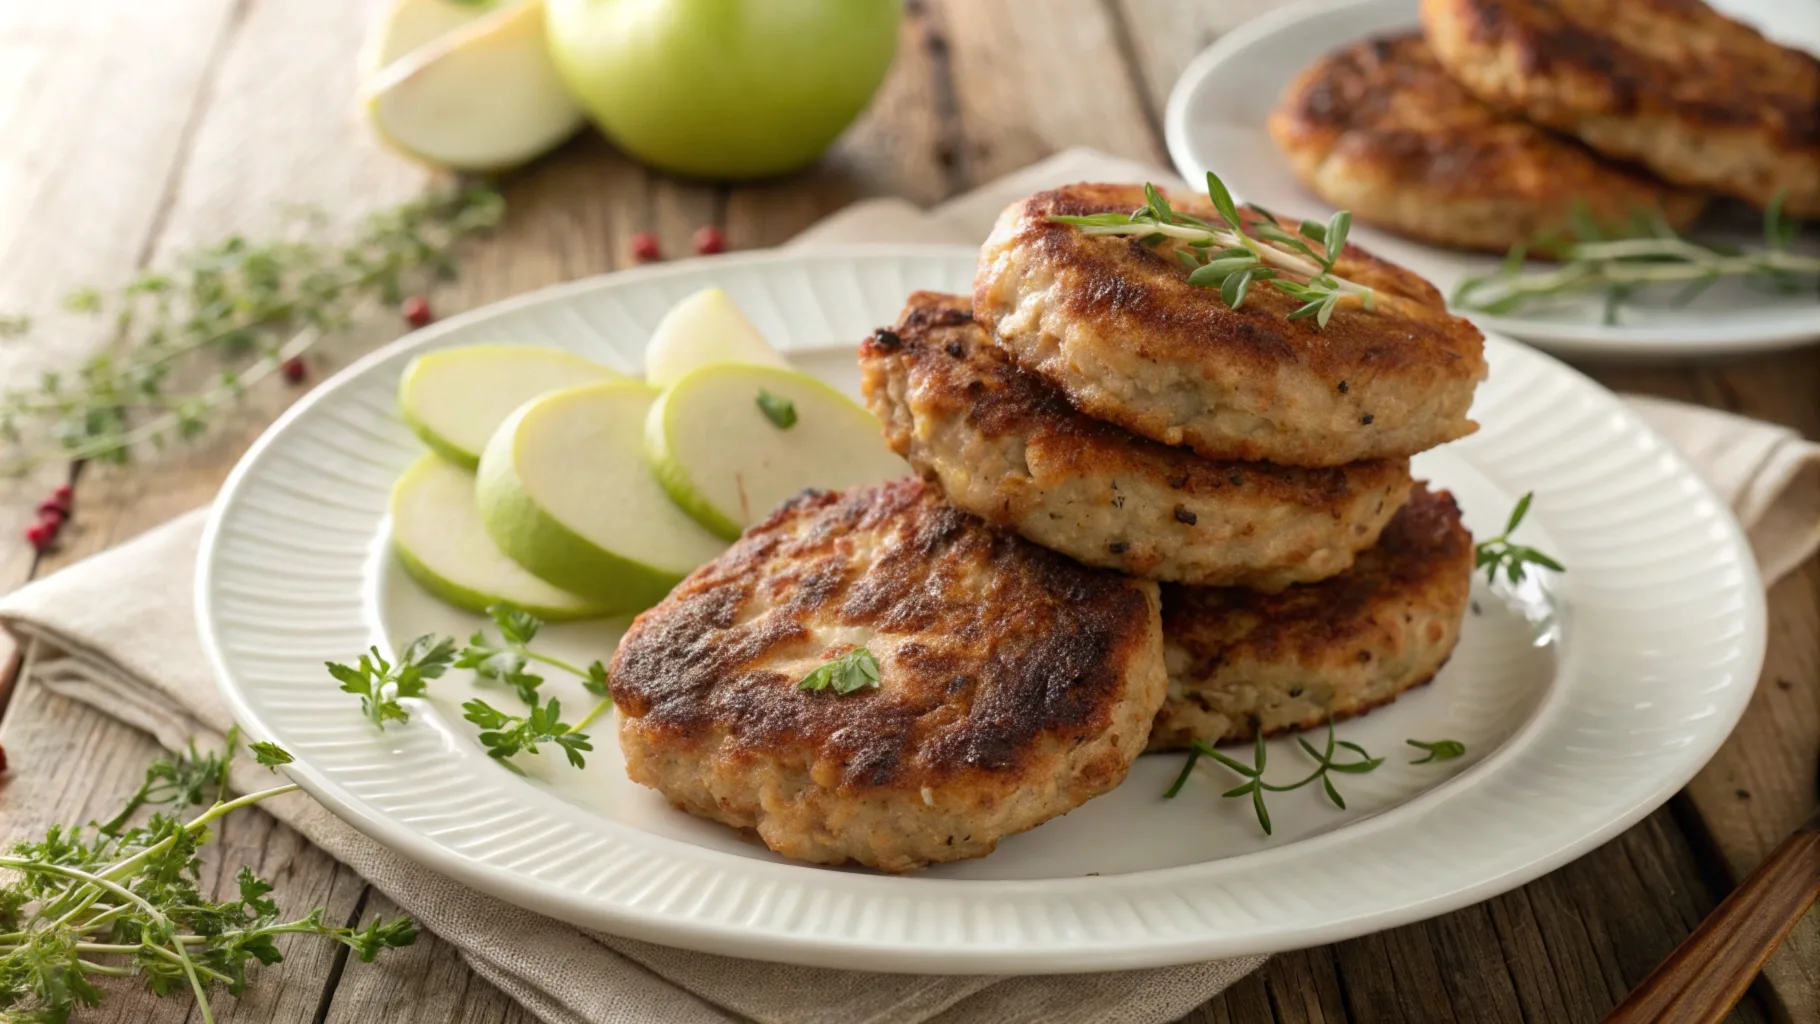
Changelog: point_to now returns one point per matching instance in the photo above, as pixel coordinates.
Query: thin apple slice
(730, 442)
(564, 491)
(454, 399)
(701, 330)
(442, 544)
(483, 97)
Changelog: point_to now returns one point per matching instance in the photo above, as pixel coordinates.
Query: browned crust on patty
(1031, 462)
(1384, 383)
(1698, 98)
(1293, 660)
(1379, 128)
(988, 645)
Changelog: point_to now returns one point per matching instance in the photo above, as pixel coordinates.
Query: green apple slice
(482, 97)
(565, 492)
(442, 544)
(730, 442)
(456, 398)
(405, 25)
(702, 329)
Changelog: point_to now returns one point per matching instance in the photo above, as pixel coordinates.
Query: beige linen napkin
(118, 632)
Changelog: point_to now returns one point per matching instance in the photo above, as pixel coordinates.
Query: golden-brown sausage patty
(1006, 446)
(1014, 683)
(1380, 129)
(1673, 85)
(1117, 327)
(1331, 650)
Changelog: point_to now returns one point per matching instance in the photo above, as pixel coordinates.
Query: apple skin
(723, 88)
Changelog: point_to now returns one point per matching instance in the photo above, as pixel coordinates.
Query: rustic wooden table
(133, 130)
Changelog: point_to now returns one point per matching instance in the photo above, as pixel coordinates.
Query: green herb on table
(1439, 750)
(1232, 257)
(1619, 266)
(1514, 559)
(1256, 786)
(851, 672)
(780, 411)
(229, 315)
(505, 735)
(126, 902)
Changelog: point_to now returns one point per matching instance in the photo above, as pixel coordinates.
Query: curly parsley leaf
(271, 755)
(381, 684)
(506, 736)
(851, 672)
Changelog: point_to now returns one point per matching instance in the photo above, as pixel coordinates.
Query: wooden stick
(1708, 973)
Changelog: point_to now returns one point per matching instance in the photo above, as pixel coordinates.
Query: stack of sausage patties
(1091, 399)
(1514, 122)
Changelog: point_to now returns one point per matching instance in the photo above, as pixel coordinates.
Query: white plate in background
(1215, 122)
(1585, 701)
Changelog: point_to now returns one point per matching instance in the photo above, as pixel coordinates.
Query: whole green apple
(723, 88)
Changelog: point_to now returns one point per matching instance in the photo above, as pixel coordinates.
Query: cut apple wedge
(405, 25)
(456, 398)
(701, 330)
(442, 544)
(564, 491)
(730, 442)
(483, 97)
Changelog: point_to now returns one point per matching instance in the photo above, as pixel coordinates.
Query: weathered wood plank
(1028, 83)
(427, 983)
(95, 133)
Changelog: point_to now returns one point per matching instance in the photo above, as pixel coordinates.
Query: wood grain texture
(1709, 972)
(72, 764)
(249, 110)
(94, 137)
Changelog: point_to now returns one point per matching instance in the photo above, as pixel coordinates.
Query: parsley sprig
(237, 310)
(381, 685)
(1620, 265)
(1234, 256)
(851, 672)
(120, 900)
(1498, 553)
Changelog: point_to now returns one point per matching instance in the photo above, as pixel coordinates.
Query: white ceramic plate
(1584, 701)
(1215, 122)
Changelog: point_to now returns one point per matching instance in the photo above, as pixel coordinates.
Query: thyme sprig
(1647, 254)
(1327, 761)
(119, 901)
(1256, 785)
(1230, 258)
(1498, 553)
(237, 308)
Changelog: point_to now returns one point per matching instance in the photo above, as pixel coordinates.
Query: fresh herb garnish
(1439, 750)
(127, 902)
(853, 671)
(505, 735)
(1255, 785)
(780, 411)
(1499, 553)
(271, 755)
(1238, 255)
(380, 685)
(240, 308)
(1649, 253)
